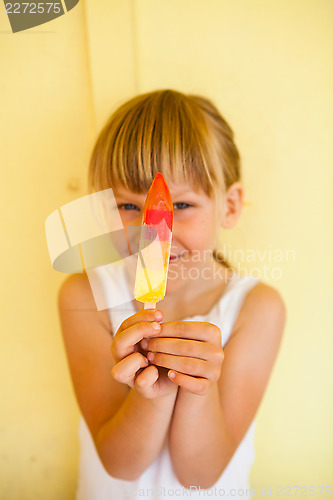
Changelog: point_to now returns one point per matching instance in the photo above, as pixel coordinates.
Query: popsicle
(154, 245)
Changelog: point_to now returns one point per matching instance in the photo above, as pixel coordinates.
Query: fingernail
(156, 326)
(158, 315)
(144, 343)
(150, 356)
(171, 374)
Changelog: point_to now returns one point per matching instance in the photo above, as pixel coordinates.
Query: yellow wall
(46, 132)
(268, 66)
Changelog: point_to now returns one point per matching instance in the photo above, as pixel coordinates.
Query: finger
(194, 330)
(123, 344)
(143, 315)
(125, 370)
(146, 379)
(190, 366)
(182, 347)
(195, 385)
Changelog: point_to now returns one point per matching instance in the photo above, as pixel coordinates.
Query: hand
(131, 366)
(191, 350)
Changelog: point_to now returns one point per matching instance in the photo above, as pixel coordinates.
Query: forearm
(129, 442)
(198, 437)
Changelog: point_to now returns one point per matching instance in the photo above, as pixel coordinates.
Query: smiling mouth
(173, 257)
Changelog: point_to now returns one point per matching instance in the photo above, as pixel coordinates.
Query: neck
(196, 296)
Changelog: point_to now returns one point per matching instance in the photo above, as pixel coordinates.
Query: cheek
(200, 236)
(198, 233)
(210, 236)
(130, 219)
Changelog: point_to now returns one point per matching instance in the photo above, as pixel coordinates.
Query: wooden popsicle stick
(149, 305)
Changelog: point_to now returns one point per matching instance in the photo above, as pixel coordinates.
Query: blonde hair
(182, 136)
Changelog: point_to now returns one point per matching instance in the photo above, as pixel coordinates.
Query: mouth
(172, 258)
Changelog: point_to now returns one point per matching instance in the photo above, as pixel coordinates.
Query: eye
(181, 205)
(128, 207)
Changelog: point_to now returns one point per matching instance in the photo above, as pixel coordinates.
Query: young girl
(168, 396)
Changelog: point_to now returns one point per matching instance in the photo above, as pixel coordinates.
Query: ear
(233, 204)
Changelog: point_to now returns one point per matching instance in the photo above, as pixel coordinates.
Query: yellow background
(267, 64)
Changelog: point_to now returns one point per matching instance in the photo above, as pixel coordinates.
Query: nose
(176, 246)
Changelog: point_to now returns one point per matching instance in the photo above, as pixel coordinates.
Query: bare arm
(208, 425)
(131, 440)
(208, 454)
(128, 429)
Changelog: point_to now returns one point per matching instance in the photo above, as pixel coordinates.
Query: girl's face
(195, 228)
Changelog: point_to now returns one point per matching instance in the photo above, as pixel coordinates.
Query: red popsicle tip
(158, 204)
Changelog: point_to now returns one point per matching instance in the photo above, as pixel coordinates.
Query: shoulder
(75, 295)
(266, 296)
(74, 289)
(263, 309)
(267, 300)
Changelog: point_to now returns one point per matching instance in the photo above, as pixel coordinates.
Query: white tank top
(159, 480)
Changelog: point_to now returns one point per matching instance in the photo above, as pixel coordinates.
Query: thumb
(145, 381)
